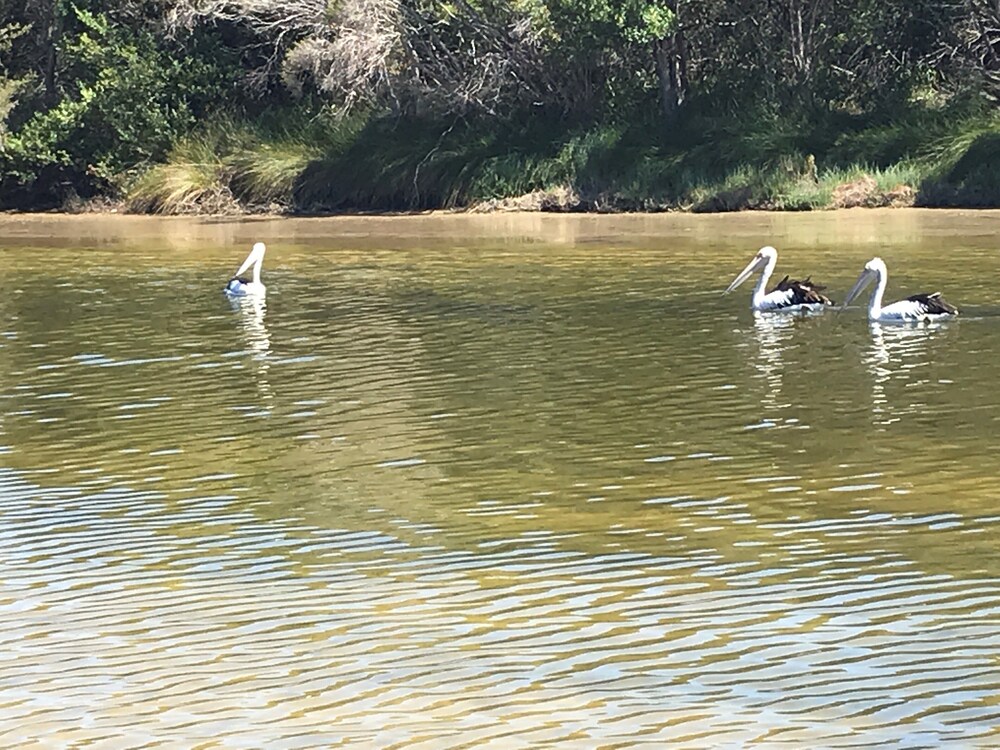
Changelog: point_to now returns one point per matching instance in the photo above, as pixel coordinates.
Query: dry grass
(865, 192)
(559, 199)
(226, 168)
(194, 180)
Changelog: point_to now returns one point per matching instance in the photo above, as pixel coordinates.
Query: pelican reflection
(256, 338)
(773, 335)
(897, 353)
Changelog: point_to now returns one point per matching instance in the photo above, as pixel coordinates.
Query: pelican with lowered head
(917, 308)
(787, 296)
(238, 286)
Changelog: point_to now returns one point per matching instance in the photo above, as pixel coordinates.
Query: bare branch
(391, 51)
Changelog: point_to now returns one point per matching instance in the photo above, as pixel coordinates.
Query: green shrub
(130, 97)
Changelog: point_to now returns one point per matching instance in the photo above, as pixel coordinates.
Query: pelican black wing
(803, 292)
(934, 304)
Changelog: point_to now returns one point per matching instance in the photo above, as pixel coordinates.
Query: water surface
(495, 481)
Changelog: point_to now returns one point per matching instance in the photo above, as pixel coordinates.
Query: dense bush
(124, 95)
(193, 105)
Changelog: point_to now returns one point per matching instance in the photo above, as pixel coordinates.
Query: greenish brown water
(495, 481)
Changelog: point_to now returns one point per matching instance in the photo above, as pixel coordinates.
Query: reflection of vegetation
(427, 407)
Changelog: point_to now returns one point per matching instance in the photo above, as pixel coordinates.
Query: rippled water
(495, 482)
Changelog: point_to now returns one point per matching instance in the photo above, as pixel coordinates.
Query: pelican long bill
(863, 281)
(746, 273)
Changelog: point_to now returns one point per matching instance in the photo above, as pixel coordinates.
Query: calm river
(496, 482)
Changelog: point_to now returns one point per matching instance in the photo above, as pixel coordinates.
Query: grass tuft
(705, 163)
(231, 166)
(192, 181)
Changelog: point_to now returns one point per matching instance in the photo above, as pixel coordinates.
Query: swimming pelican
(918, 308)
(787, 296)
(240, 287)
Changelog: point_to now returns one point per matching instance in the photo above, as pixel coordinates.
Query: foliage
(310, 104)
(193, 178)
(230, 165)
(126, 101)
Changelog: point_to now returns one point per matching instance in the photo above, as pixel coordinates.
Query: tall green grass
(235, 165)
(193, 180)
(706, 163)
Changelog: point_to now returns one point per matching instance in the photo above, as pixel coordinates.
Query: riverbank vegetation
(186, 106)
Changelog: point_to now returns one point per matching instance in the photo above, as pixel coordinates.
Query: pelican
(915, 309)
(240, 287)
(787, 296)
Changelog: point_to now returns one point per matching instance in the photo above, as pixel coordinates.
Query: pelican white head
(874, 269)
(766, 256)
(239, 287)
(255, 259)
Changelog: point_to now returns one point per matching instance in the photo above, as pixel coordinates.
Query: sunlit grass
(266, 173)
(706, 164)
(193, 177)
(232, 165)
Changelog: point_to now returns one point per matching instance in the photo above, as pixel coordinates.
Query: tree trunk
(49, 24)
(669, 76)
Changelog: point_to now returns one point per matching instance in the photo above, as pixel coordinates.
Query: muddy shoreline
(389, 231)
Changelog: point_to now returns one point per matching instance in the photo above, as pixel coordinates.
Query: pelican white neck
(240, 287)
(255, 259)
(874, 270)
(764, 261)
